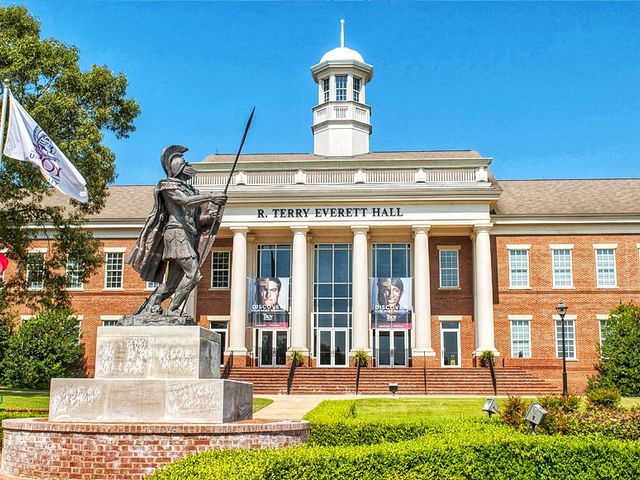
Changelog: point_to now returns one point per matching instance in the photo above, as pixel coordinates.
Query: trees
(45, 346)
(620, 352)
(75, 108)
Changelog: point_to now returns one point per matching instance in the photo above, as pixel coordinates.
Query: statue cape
(146, 256)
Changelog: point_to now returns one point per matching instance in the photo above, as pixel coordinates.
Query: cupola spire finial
(342, 33)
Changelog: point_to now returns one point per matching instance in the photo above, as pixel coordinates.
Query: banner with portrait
(391, 301)
(268, 302)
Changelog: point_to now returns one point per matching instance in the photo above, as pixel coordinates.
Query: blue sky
(549, 90)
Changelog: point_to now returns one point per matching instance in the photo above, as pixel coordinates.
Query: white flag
(27, 141)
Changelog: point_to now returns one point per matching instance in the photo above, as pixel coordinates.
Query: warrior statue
(175, 238)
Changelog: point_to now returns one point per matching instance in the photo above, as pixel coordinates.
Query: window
(518, 267)
(110, 320)
(220, 327)
(449, 268)
(356, 89)
(151, 285)
(391, 260)
(520, 337)
(325, 89)
(274, 260)
(562, 275)
(35, 270)
(602, 326)
(75, 271)
(570, 338)
(332, 285)
(220, 263)
(605, 267)
(341, 88)
(113, 271)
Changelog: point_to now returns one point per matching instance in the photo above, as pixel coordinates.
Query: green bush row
(489, 451)
(336, 424)
(564, 418)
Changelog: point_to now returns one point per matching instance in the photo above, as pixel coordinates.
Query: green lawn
(24, 399)
(411, 409)
(260, 403)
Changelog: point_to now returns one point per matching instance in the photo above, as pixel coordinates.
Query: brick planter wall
(37, 448)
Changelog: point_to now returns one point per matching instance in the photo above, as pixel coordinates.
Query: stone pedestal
(153, 374)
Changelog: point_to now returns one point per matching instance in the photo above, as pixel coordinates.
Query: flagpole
(5, 100)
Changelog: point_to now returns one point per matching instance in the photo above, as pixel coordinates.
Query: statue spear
(216, 224)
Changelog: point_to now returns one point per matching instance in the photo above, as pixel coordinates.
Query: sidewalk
(293, 407)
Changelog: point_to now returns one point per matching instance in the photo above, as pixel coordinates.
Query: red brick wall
(585, 300)
(35, 448)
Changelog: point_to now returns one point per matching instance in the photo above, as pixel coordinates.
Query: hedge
(482, 452)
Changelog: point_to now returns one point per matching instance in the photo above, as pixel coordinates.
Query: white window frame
(340, 90)
(81, 287)
(514, 248)
(520, 318)
(568, 319)
(228, 252)
(601, 318)
(449, 248)
(107, 251)
(326, 89)
(557, 247)
(43, 251)
(109, 320)
(356, 91)
(602, 247)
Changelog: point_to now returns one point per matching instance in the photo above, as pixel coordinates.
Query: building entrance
(450, 344)
(272, 348)
(391, 348)
(333, 347)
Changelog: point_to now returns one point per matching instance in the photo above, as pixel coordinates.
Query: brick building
(477, 263)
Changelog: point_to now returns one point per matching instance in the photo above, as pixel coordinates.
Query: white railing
(329, 177)
(336, 177)
(342, 111)
(271, 178)
(390, 176)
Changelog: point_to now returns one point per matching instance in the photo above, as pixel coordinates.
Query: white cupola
(341, 120)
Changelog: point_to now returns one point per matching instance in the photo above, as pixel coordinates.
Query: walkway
(293, 407)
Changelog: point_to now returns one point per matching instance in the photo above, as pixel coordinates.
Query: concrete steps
(415, 381)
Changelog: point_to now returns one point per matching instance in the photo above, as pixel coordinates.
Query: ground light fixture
(393, 388)
(490, 406)
(562, 311)
(535, 416)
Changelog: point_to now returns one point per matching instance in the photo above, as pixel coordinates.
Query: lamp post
(562, 311)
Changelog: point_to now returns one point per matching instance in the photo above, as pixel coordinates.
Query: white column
(360, 289)
(422, 293)
(484, 290)
(238, 320)
(299, 295)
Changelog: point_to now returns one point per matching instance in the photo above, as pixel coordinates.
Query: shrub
(560, 419)
(481, 451)
(45, 347)
(486, 357)
(603, 397)
(512, 412)
(360, 357)
(620, 352)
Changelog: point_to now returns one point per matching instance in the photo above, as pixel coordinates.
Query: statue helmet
(169, 154)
